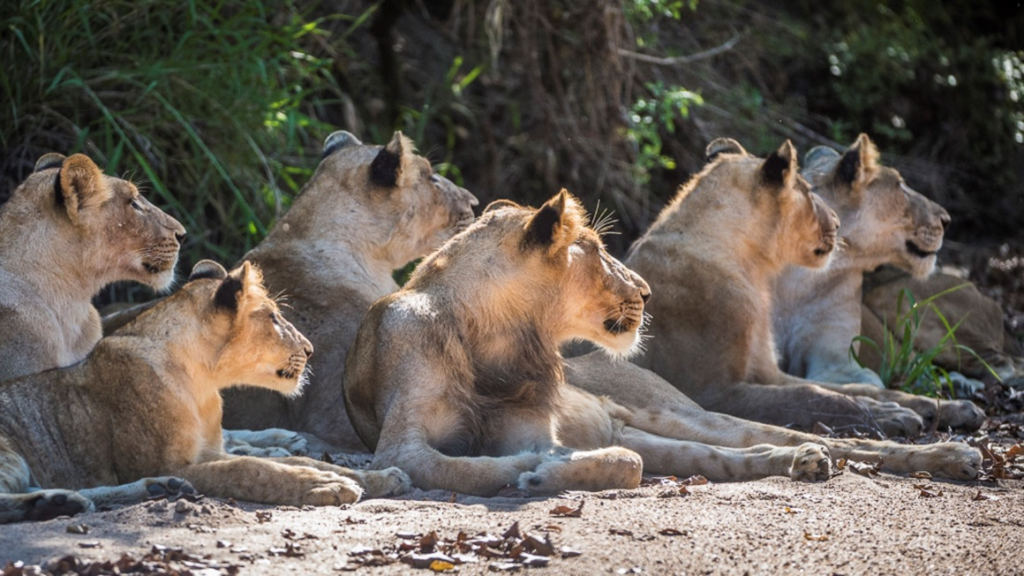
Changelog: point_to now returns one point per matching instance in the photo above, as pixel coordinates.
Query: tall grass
(213, 107)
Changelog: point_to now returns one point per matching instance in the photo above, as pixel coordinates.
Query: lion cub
(457, 377)
(146, 402)
(65, 233)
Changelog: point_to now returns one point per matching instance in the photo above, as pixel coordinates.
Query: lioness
(714, 254)
(817, 315)
(65, 233)
(367, 211)
(457, 377)
(146, 402)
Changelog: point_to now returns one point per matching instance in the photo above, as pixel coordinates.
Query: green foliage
(652, 114)
(640, 11)
(211, 105)
(904, 367)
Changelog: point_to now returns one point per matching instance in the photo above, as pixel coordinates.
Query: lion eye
(435, 178)
(136, 205)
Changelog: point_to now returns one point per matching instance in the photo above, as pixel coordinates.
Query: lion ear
(779, 170)
(386, 168)
(339, 140)
(819, 154)
(207, 269)
(501, 203)
(238, 286)
(49, 160)
(720, 146)
(859, 163)
(81, 185)
(553, 223)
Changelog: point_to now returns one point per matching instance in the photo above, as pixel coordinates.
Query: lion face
(885, 221)
(118, 233)
(402, 209)
(261, 347)
(548, 265)
(780, 218)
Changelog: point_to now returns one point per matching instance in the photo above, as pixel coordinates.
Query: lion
(146, 403)
(817, 315)
(458, 380)
(65, 233)
(713, 255)
(367, 211)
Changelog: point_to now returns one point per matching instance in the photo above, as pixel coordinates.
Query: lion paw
(321, 488)
(49, 504)
(384, 483)
(811, 463)
(952, 460)
(269, 443)
(169, 487)
(891, 418)
(960, 414)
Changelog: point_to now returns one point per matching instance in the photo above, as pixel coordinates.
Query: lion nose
(945, 219)
(308, 350)
(180, 236)
(645, 296)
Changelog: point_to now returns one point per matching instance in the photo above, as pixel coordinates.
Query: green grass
(902, 365)
(212, 107)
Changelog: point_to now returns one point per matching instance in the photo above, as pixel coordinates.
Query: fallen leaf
(671, 532)
(981, 496)
(264, 516)
(441, 566)
(925, 493)
(789, 510)
(815, 537)
(921, 475)
(512, 532)
(696, 480)
(88, 544)
(223, 544)
(77, 529)
(567, 512)
(505, 567)
(863, 468)
(538, 546)
(534, 561)
(425, 560)
(620, 532)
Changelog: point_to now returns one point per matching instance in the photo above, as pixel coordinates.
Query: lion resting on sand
(367, 211)
(65, 233)
(713, 256)
(457, 377)
(817, 315)
(146, 402)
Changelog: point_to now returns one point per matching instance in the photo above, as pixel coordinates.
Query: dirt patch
(850, 525)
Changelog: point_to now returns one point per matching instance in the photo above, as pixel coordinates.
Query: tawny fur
(332, 255)
(146, 402)
(65, 233)
(817, 314)
(712, 257)
(457, 377)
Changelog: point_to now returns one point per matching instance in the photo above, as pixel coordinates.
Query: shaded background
(218, 109)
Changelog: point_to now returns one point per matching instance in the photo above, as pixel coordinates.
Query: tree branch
(677, 60)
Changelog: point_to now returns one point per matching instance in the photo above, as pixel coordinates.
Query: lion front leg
(270, 482)
(138, 491)
(592, 470)
(807, 462)
(960, 414)
(18, 502)
(375, 483)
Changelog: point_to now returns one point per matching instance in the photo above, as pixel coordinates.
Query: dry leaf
(441, 566)
(789, 510)
(671, 532)
(815, 537)
(921, 475)
(981, 496)
(567, 512)
(925, 493)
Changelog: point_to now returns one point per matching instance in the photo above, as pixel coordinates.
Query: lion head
(884, 220)
(546, 264)
(101, 225)
(242, 326)
(386, 198)
(785, 221)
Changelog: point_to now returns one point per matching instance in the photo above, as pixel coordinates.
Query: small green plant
(649, 116)
(904, 367)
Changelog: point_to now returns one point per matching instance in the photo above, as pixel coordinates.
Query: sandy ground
(849, 525)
